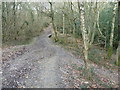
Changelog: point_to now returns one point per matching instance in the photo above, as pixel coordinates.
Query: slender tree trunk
(63, 19)
(3, 19)
(63, 23)
(52, 16)
(72, 22)
(110, 50)
(118, 55)
(3, 15)
(119, 17)
(95, 23)
(8, 20)
(98, 14)
(14, 14)
(84, 32)
(71, 5)
(113, 26)
(118, 49)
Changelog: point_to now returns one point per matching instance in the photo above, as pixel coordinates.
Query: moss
(118, 61)
(110, 51)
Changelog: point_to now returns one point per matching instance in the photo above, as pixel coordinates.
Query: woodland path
(39, 65)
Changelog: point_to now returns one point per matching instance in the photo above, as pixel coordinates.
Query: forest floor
(44, 64)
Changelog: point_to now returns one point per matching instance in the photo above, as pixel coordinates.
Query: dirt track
(39, 65)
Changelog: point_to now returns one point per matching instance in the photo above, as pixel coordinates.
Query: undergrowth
(96, 55)
(92, 79)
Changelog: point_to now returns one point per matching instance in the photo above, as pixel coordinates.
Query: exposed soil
(43, 64)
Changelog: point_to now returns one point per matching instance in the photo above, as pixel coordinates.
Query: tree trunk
(110, 50)
(94, 9)
(119, 17)
(113, 25)
(3, 20)
(84, 32)
(118, 55)
(52, 16)
(73, 23)
(63, 23)
(98, 14)
(118, 49)
(14, 14)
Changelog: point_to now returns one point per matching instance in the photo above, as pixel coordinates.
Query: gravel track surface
(38, 65)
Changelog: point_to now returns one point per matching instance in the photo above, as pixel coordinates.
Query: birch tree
(84, 32)
(113, 25)
(118, 49)
(112, 31)
(63, 20)
(63, 23)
